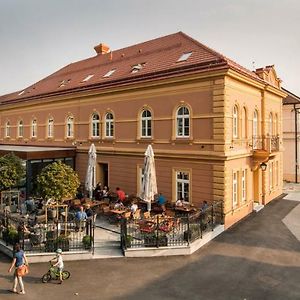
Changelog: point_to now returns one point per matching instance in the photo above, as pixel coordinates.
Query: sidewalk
(293, 191)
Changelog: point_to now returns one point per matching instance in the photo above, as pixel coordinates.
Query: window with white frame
(234, 189)
(50, 128)
(235, 125)
(183, 122)
(244, 185)
(183, 185)
(33, 128)
(109, 125)
(146, 126)
(271, 183)
(70, 127)
(7, 129)
(245, 121)
(20, 129)
(95, 125)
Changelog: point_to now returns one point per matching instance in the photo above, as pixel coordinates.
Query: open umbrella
(149, 185)
(90, 179)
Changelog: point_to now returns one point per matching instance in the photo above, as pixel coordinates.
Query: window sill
(182, 140)
(145, 140)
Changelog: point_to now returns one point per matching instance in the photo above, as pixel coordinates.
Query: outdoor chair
(137, 214)
(147, 215)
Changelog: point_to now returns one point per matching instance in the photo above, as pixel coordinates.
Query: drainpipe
(296, 143)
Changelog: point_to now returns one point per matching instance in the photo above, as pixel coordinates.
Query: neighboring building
(211, 122)
(291, 137)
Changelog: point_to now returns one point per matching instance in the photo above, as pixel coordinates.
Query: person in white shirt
(133, 207)
(59, 264)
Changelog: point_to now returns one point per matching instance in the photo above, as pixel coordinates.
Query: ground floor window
(234, 189)
(183, 185)
(244, 185)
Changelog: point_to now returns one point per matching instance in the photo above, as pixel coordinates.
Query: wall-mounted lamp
(263, 166)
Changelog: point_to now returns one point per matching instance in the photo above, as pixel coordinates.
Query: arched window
(109, 125)
(271, 124)
(95, 125)
(70, 127)
(183, 122)
(235, 125)
(255, 124)
(245, 122)
(276, 125)
(33, 128)
(50, 128)
(146, 125)
(20, 129)
(7, 129)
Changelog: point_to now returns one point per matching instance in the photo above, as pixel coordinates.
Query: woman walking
(19, 262)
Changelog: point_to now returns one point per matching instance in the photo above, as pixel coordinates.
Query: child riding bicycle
(59, 264)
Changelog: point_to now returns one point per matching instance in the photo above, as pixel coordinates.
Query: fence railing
(165, 231)
(269, 143)
(47, 237)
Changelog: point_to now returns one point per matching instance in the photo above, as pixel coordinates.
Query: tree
(57, 181)
(12, 171)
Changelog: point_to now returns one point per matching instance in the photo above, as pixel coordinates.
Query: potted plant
(87, 241)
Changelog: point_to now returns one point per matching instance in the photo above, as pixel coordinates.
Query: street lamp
(263, 166)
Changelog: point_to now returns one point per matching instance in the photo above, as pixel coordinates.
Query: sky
(38, 37)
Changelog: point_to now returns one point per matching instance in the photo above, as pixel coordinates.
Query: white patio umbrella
(90, 179)
(149, 185)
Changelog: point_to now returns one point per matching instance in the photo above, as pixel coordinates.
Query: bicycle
(53, 274)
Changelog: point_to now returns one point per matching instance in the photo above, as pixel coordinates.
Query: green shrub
(87, 241)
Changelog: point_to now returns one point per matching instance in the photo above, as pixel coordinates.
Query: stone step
(257, 207)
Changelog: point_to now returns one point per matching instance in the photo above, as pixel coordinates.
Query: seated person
(105, 192)
(161, 201)
(121, 194)
(88, 211)
(118, 205)
(179, 203)
(80, 218)
(133, 208)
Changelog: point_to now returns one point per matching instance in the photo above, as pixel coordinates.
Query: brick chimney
(101, 49)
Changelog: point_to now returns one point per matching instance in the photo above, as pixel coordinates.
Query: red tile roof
(291, 98)
(159, 57)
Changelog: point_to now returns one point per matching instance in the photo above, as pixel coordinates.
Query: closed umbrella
(90, 179)
(149, 185)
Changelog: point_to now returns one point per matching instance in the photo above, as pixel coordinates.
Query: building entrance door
(256, 186)
(103, 174)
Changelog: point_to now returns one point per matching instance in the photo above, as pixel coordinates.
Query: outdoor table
(118, 212)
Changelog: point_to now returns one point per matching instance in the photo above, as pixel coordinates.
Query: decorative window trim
(92, 122)
(235, 122)
(175, 171)
(140, 119)
(32, 131)
(111, 124)
(20, 129)
(7, 129)
(70, 127)
(235, 189)
(175, 136)
(50, 128)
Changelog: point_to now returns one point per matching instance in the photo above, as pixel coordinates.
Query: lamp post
(263, 167)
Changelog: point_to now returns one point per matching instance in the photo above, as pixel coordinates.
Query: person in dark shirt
(89, 212)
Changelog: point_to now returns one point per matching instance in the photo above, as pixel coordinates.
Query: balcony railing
(267, 143)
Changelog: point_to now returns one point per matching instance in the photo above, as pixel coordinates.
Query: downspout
(296, 144)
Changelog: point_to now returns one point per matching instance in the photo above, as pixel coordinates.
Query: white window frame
(7, 129)
(183, 124)
(20, 129)
(109, 125)
(70, 127)
(181, 183)
(95, 126)
(235, 122)
(244, 185)
(235, 178)
(50, 128)
(34, 128)
(146, 124)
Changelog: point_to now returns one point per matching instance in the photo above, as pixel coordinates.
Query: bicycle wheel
(65, 275)
(46, 278)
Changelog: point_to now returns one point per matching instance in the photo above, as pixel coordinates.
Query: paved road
(255, 260)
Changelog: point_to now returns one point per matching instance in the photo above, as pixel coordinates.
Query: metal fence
(166, 231)
(46, 237)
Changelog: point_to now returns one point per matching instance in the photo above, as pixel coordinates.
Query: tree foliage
(12, 171)
(57, 181)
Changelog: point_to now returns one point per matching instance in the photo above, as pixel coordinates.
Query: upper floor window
(271, 124)
(95, 125)
(20, 129)
(244, 122)
(183, 122)
(50, 128)
(146, 127)
(276, 124)
(34, 128)
(255, 124)
(70, 127)
(109, 125)
(7, 129)
(235, 122)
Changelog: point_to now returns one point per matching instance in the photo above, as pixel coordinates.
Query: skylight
(87, 78)
(184, 56)
(136, 68)
(21, 93)
(64, 82)
(109, 73)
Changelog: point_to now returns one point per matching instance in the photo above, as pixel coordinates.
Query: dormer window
(184, 56)
(109, 73)
(137, 68)
(64, 82)
(88, 78)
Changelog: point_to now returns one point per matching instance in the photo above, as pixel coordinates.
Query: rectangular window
(50, 128)
(271, 183)
(244, 185)
(183, 186)
(235, 189)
